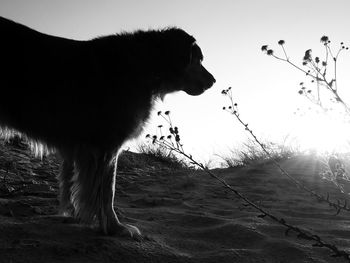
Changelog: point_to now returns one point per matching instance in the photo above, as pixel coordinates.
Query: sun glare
(324, 134)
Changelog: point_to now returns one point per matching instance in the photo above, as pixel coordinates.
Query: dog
(84, 99)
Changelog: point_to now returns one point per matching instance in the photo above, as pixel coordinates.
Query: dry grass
(162, 155)
(251, 154)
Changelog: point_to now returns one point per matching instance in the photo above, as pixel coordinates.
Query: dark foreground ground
(185, 215)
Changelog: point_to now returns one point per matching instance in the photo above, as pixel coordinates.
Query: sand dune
(185, 216)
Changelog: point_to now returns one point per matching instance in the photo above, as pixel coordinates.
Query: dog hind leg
(65, 178)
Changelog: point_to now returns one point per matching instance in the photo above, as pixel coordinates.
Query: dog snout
(209, 77)
(213, 80)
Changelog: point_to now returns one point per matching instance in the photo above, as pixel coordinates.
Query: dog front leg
(108, 219)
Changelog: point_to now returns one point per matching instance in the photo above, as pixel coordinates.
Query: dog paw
(132, 231)
(124, 230)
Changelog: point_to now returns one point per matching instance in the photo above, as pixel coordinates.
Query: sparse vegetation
(321, 71)
(233, 109)
(173, 143)
(336, 169)
(163, 155)
(148, 160)
(250, 154)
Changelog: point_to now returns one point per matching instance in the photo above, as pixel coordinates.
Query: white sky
(230, 34)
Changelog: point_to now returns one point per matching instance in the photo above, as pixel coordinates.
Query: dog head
(184, 59)
(196, 78)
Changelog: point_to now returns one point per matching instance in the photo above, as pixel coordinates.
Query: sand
(185, 216)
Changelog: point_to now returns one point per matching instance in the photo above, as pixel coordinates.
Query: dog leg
(93, 192)
(108, 219)
(65, 178)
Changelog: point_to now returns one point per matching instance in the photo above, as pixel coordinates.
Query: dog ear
(179, 47)
(196, 55)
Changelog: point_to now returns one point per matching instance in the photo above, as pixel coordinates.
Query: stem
(285, 53)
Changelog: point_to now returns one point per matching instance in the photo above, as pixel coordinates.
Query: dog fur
(86, 98)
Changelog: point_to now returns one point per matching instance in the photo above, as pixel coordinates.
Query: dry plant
(336, 169)
(233, 109)
(173, 143)
(162, 155)
(250, 154)
(323, 73)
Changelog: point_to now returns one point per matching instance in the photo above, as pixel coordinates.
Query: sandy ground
(185, 216)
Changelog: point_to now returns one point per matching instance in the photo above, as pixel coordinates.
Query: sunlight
(323, 134)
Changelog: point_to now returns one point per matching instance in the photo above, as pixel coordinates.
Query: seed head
(167, 112)
(324, 39)
(270, 52)
(264, 48)
(281, 42)
(307, 56)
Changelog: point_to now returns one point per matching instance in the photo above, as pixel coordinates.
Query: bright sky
(230, 34)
